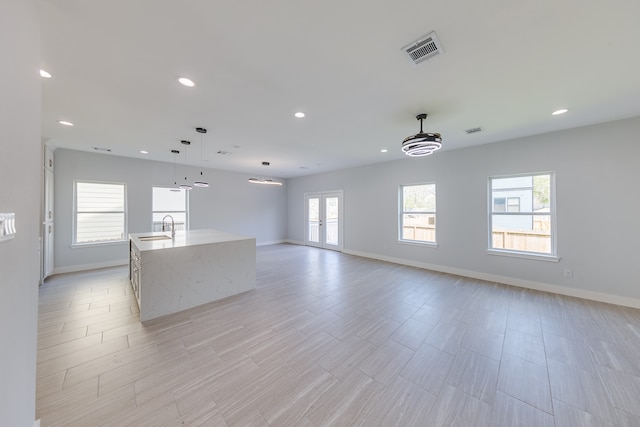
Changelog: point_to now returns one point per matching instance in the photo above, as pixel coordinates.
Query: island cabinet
(134, 270)
(194, 267)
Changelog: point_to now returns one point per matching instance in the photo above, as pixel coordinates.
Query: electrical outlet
(568, 273)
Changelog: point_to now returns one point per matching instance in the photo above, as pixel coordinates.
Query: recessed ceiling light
(144, 152)
(65, 123)
(560, 111)
(45, 74)
(299, 114)
(384, 150)
(186, 82)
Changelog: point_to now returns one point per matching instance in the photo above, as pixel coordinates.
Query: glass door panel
(331, 222)
(313, 220)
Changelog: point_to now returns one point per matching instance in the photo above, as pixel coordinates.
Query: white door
(48, 231)
(323, 220)
(48, 249)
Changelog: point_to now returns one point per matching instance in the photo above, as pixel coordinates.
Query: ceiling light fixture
(421, 144)
(299, 114)
(266, 181)
(45, 74)
(201, 183)
(384, 150)
(185, 186)
(560, 111)
(65, 123)
(144, 152)
(175, 181)
(186, 82)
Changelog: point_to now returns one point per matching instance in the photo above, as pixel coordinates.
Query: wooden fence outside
(528, 241)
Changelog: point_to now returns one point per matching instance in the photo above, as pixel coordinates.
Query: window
(100, 212)
(522, 214)
(418, 213)
(506, 204)
(169, 201)
(513, 204)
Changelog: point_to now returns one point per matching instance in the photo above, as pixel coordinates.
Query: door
(323, 220)
(48, 229)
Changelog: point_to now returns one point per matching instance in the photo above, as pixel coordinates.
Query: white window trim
(553, 256)
(525, 255)
(418, 243)
(401, 212)
(74, 244)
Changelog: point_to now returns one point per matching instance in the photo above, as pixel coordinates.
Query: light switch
(7, 226)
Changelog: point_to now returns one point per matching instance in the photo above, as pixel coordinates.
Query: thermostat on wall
(7, 226)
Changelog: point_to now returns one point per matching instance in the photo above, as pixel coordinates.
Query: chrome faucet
(173, 225)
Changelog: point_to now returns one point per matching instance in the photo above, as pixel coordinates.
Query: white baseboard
(528, 284)
(36, 423)
(294, 242)
(513, 281)
(272, 242)
(92, 266)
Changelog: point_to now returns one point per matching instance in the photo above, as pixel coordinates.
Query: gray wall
(231, 204)
(20, 178)
(597, 172)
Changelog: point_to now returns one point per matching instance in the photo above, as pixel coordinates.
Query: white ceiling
(507, 65)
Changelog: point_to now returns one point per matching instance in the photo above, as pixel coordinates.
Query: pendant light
(175, 182)
(266, 181)
(185, 186)
(421, 144)
(201, 182)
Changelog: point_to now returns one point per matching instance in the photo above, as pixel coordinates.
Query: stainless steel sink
(160, 237)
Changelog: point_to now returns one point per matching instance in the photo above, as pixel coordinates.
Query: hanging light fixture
(421, 144)
(175, 181)
(202, 182)
(266, 181)
(185, 186)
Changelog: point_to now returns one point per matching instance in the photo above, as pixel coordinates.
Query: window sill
(416, 243)
(525, 255)
(91, 245)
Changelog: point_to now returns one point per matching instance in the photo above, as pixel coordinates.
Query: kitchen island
(170, 274)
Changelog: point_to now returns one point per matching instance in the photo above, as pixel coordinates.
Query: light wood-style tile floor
(329, 339)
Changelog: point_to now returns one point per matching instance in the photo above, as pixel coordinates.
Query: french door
(323, 220)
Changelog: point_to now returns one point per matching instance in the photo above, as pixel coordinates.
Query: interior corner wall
(597, 203)
(20, 186)
(230, 203)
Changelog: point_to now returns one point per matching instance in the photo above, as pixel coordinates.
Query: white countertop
(183, 239)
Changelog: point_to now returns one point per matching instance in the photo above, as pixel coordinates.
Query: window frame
(74, 227)
(553, 255)
(401, 214)
(186, 207)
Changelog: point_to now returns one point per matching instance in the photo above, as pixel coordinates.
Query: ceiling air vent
(474, 130)
(424, 48)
